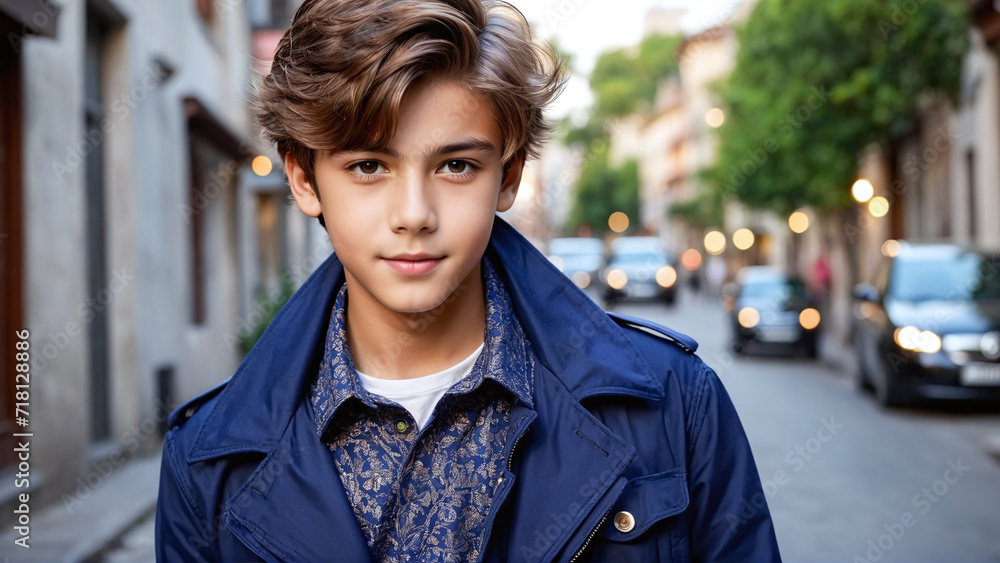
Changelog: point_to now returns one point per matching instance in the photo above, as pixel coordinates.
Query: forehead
(441, 112)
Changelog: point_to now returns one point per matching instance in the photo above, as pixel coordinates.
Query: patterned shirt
(425, 495)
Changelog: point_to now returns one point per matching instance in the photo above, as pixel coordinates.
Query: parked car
(640, 268)
(770, 308)
(580, 258)
(928, 326)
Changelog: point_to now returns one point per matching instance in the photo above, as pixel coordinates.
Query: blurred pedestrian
(716, 273)
(821, 276)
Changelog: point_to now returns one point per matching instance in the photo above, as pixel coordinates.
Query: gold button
(401, 426)
(499, 479)
(624, 521)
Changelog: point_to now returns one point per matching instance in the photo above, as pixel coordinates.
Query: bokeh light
(261, 165)
(666, 276)
(878, 206)
(691, 259)
(863, 191)
(617, 279)
(809, 318)
(715, 242)
(891, 248)
(618, 222)
(715, 117)
(743, 239)
(748, 317)
(798, 222)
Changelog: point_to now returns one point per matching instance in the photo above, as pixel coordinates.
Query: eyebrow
(475, 144)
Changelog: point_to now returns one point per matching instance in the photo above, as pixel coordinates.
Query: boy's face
(411, 223)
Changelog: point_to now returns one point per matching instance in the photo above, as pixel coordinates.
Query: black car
(640, 268)
(928, 326)
(771, 309)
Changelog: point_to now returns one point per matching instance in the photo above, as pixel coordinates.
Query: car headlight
(581, 279)
(748, 317)
(666, 276)
(809, 318)
(617, 279)
(916, 340)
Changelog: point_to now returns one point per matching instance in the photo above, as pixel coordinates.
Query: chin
(414, 304)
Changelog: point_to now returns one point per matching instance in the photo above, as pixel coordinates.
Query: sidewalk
(115, 523)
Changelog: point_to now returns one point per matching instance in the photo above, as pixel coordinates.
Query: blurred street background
(809, 189)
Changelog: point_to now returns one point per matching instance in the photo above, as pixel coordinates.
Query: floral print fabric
(425, 496)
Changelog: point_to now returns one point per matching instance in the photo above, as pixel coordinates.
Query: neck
(392, 345)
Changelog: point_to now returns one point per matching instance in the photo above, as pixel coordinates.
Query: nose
(412, 207)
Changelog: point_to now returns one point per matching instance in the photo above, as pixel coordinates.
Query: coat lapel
(294, 507)
(567, 475)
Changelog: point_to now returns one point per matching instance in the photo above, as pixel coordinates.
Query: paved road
(846, 480)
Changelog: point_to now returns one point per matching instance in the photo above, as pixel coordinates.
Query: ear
(511, 182)
(302, 190)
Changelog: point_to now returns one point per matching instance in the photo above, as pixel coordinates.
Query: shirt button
(401, 426)
(624, 521)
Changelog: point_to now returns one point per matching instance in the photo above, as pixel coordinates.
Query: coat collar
(570, 335)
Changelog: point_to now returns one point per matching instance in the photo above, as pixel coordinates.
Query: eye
(457, 167)
(368, 167)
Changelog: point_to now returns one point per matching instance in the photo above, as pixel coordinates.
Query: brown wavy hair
(341, 70)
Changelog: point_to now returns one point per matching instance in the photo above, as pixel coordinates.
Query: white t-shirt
(420, 395)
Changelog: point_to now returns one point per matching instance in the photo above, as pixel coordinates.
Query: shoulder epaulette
(682, 341)
(187, 410)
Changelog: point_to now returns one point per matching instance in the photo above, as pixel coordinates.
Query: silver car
(640, 268)
(580, 258)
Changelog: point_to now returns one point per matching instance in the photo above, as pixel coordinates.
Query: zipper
(510, 458)
(589, 538)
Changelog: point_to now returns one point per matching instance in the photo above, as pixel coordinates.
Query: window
(269, 218)
(215, 161)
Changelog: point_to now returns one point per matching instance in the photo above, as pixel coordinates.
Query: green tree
(603, 189)
(624, 82)
(703, 212)
(268, 305)
(815, 82)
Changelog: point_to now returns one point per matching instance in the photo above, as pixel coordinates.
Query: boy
(437, 391)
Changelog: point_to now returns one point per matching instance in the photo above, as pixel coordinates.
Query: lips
(413, 264)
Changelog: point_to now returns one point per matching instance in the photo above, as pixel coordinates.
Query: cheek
(473, 217)
(348, 231)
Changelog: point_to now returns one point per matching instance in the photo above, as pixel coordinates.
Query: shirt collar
(506, 357)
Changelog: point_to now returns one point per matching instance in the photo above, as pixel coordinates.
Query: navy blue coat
(626, 419)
